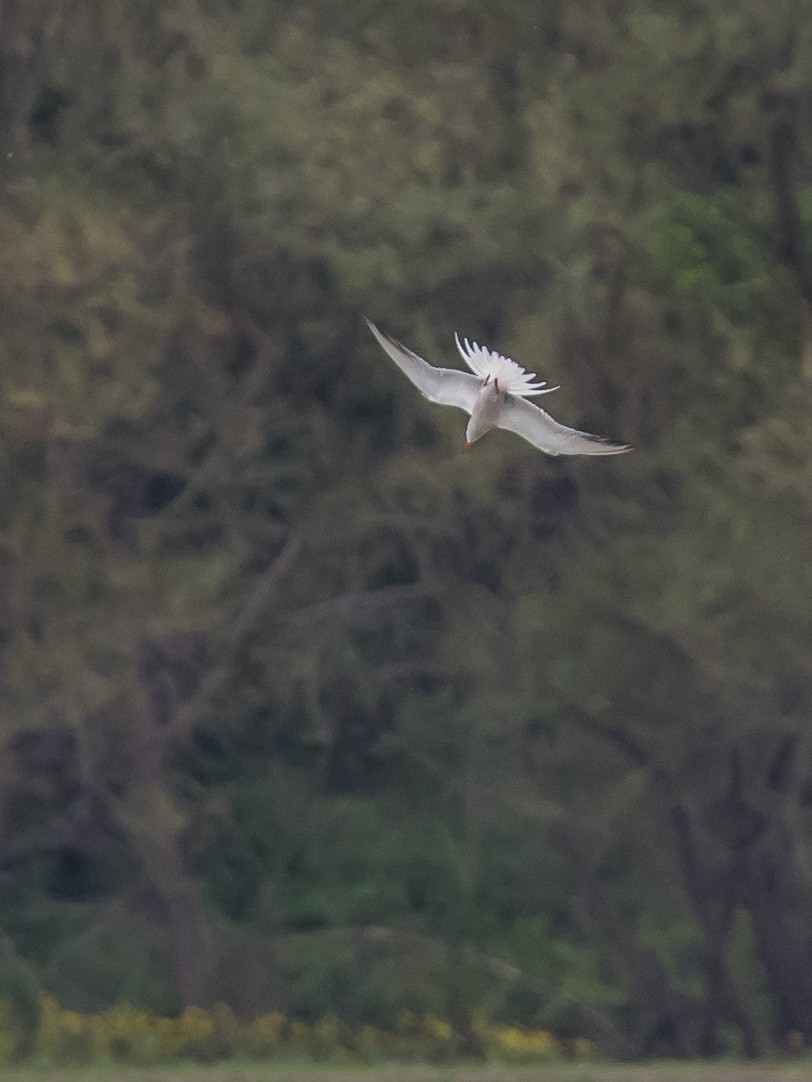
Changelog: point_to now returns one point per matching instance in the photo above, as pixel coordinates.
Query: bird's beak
(466, 446)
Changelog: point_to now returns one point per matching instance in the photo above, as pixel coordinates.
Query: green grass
(798, 1071)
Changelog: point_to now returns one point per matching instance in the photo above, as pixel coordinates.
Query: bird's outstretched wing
(446, 386)
(539, 428)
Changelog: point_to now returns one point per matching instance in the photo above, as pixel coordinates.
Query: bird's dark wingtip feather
(384, 337)
(609, 447)
(377, 331)
(610, 442)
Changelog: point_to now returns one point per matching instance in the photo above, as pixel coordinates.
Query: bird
(496, 396)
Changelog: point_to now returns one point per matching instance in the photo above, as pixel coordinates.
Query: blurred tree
(279, 667)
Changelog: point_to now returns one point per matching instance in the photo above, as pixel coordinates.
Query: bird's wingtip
(609, 446)
(378, 333)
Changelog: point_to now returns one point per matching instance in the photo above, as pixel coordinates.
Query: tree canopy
(302, 708)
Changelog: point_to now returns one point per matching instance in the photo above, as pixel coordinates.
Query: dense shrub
(127, 1035)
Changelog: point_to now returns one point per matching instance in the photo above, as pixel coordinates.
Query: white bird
(496, 397)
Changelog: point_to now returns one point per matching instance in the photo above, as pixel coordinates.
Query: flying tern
(495, 396)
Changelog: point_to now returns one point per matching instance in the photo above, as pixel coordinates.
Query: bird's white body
(495, 396)
(485, 411)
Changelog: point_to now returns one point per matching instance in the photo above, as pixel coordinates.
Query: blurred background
(305, 710)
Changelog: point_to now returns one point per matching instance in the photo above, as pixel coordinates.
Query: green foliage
(125, 1035)
(305, 710)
